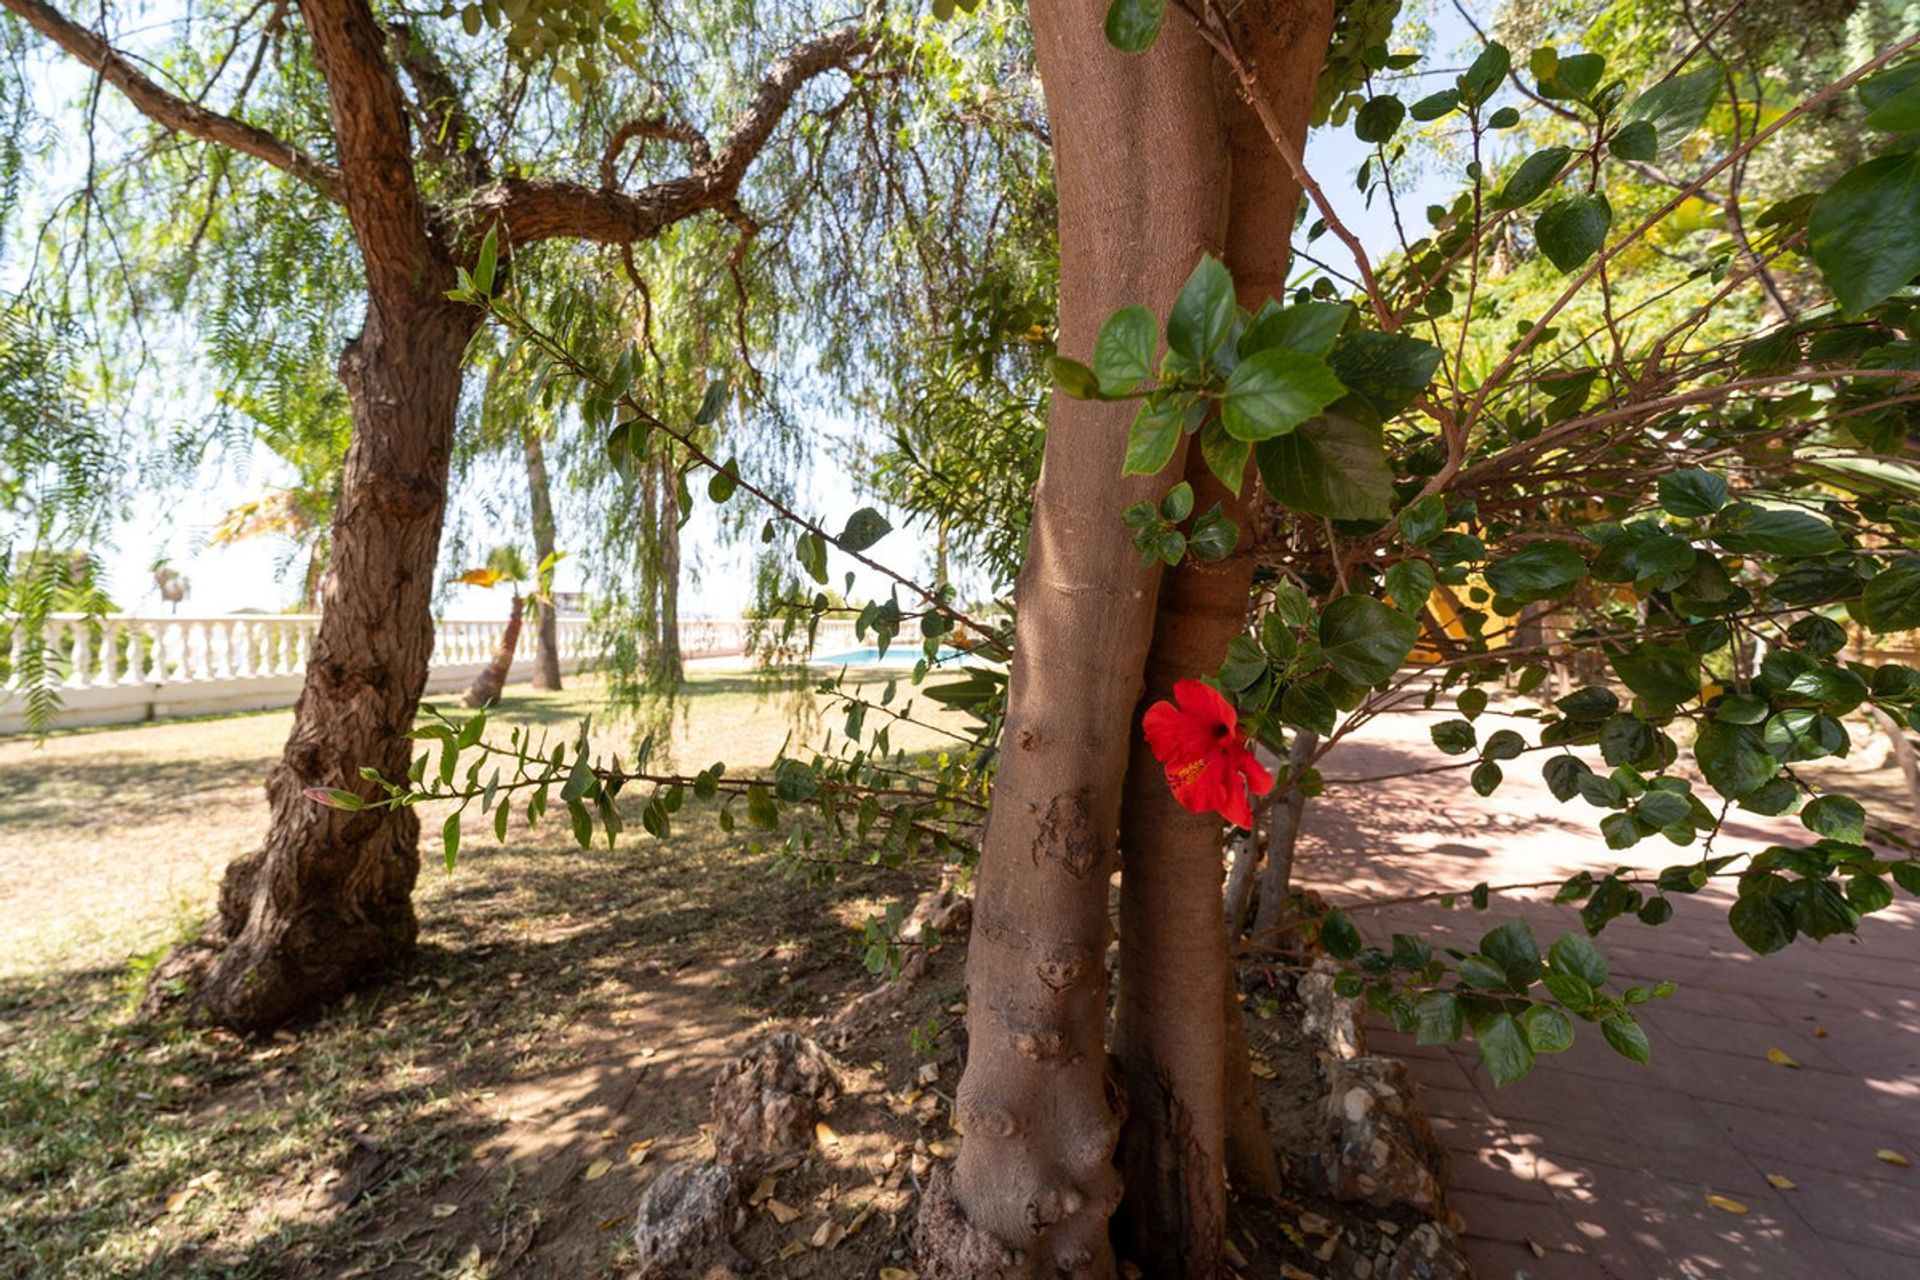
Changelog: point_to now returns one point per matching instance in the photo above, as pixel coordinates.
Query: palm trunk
(546, 634)
(1194, 1112)
(325, 902)
(1140, 172)
(490, 683)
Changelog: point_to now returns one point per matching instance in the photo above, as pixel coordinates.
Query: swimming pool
(899, 655)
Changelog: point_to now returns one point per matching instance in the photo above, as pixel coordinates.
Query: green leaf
(1074, 378)
(1837, 817)
(1575, 76)
(1732, 758)
(1123, 353)
(1133, 25)
(1512, 947)
(1819, 909)
(1868, 894)
(1548, 1030)
(450, 837)
(1225, 456)
(1677, 105)
(864, 528)
(1365, 641)
(1379, 119)
(1537, 571)
(1563, 774)
(1409, 583)
(723, 482)
(1438, 1018)
(1338, 935)
(1273, 391)
(1332, 466)
(1572, 230)
(1307, 706)
(484, 264)
(1310, 328)
(1665, 675)
(1213, 536)
(1892, 98)
(1485, 778)
(1154, 435)
(1484, 74)
(1626, 1037)
(1435, 105)
(712, 402)
(1761, 923)
(1531, 180)
(1503, 1047)
(1387, 370)
(1422, 521)
(1575, 955)
(1692, 493)
(1177, 505)
(1891, 601)
(1245, 663)
(1864, 230)
(1745, 527)
(811, 550)
(1203, 313)
(1454, 737)
(1636, 140)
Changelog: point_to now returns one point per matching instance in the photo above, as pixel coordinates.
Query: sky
(260, 575)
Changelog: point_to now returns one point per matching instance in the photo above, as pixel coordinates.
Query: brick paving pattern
(1605, 1165)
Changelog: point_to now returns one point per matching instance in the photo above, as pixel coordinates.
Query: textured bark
(1140, 172)
(668, 668)
(1170, 1038)
(546, 647)
(491, 682)
(1283, 834)
(325, 903)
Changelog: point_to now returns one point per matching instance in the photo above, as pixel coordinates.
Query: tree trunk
(1140, 173)
(1283, 834)
(546, 636)
(490, 683)
(1184, 1065)
(668, 667)
(326, 901)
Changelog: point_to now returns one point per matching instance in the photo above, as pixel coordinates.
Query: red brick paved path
(1607, 1165)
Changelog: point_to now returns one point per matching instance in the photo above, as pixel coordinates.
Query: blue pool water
(899, 655)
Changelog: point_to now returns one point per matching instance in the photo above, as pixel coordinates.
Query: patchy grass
(565, 1005)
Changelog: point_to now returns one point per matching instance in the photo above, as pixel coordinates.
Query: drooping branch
(169, 110)
(528, 209)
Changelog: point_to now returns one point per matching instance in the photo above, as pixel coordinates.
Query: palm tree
(503, 565)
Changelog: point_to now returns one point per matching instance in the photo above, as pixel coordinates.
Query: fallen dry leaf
(1232, 1254)
(178, 1200)
(763, 1191)
(1890, 1156)
(1781, 1181)
(783, 1213)
(830, 1234)
(1726, 1205)
(793, 1250)
(1780, 1058)
(1539, 1250)
(943, 1150)
(444, 1210)
(598, 1169)
(637, 1151)
(928, 1074)
(608, 1224)
(896, 1273)
(1290, 1272)
(826, 1136)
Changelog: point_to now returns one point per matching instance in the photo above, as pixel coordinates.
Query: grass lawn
(567, 1006)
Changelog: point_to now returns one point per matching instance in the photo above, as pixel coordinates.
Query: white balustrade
(121, 668)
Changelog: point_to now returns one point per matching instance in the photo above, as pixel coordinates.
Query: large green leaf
(1155, 434)
(1308, 327)
(1572, 230)
(1203, 312)
(1387, 370)
(1364, 640)
(1133, 25)
(1535, 174)
(1123, 353)
(1273, 391)
(1503, 1047)
(1891, 601)
(1665, 675)
(1733, 758)
(1864, 230)
(1892, 98)
(1677, 105)
(1536, 571)
(1332, 466)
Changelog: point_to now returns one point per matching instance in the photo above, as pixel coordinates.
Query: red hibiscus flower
(1208, 764)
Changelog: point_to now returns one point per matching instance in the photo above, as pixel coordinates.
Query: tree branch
(169, 110)
(529, 210)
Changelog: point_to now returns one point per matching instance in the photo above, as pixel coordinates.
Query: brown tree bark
(1170, 1038)
(492, 682)
(546, 636)
(1140, 171)
(1283, 836)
